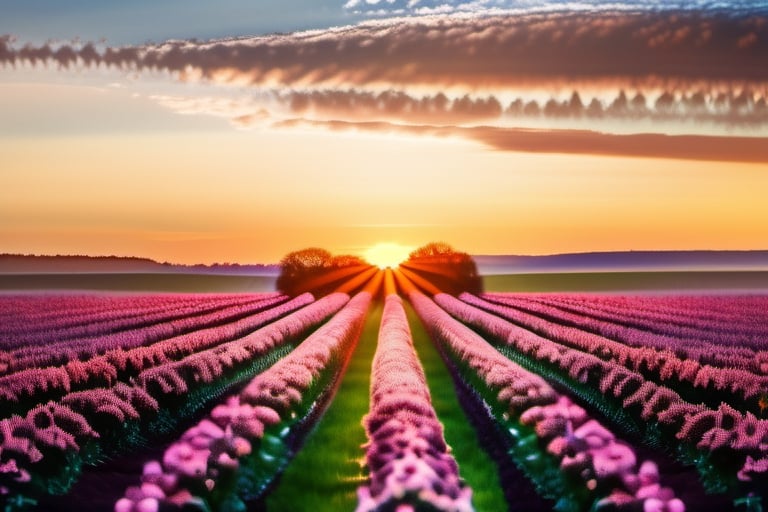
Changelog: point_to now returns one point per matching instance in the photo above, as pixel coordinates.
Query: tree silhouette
(449, 270)
(316, 270)
(346, 260)
(432, 250)
(312, 257)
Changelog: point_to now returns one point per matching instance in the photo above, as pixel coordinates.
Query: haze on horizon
(499, 127)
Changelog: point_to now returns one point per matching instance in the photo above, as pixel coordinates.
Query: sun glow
(387, 255)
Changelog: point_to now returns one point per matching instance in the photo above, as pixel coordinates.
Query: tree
(312, 257)
(303, 271)
(450, 270)
(432, 250)
(347, 260)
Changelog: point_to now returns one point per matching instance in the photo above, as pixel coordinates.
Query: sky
(238, 131)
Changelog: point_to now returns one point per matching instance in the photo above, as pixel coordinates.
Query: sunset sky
(237, 131)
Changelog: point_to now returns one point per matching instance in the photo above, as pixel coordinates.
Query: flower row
(717, 348)
(705, 429)
(406, 454)
(687, 316)
(34, 447)
(67, 321)
(208, 365)
(51, 382)
(741, 387)
(57, 309)
(241, 318)
(177, 319)
(584, 449)
(125, 414)
(230, 456)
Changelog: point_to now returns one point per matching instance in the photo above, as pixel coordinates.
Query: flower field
(385, 394)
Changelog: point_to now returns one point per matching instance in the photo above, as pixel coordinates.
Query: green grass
(475, 466)
(326, 472)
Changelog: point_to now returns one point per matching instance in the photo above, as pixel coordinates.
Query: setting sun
(385, 255)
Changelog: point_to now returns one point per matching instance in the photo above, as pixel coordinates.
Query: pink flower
(752, 468)
(613, 460)
(217, 444)
(715, 438)
(151, 490)
(124, 505)
(648, 473)
(152, 472)
(750, 432)
(594, 434)
(148, 505)
(182, 459)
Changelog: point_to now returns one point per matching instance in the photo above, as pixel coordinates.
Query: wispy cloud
(420, 7)
(230, 108)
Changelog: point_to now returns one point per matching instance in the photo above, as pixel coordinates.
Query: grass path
(326, 472)
(475, 466)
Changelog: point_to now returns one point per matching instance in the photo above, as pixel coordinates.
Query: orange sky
(222, 194)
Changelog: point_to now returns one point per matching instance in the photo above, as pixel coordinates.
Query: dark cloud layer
(467, 51)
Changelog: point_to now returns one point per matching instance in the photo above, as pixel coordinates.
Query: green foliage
(751, 503)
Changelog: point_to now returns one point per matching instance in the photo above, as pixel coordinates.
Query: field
(386, 392)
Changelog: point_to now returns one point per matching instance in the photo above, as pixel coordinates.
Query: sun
(387, 255)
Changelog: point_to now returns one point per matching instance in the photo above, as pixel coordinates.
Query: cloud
(388, 7)
(469, 51)
(649, 145)
(462, 72)
(393, 105)
(729, 108)
(212, 106)
(646, 145)
(653, 66)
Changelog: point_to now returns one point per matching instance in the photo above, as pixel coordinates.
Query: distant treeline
(34, 264)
